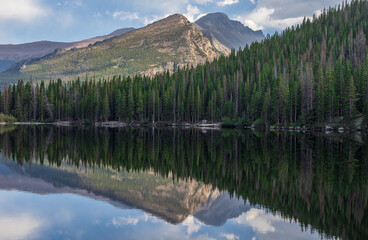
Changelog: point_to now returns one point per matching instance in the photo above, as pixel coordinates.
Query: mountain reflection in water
(179, 180)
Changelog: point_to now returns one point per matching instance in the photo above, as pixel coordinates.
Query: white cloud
(259, 220)
(204, 237)
(262, 18)
(202, 2)
(192, 13)
(121, 15)
(125, 221)
(230, 236)
(73, 3)
(279, 14)
(78, 3)
(160, 7)
(192, 224)
(318, 13)
(21, 10)
(121, 221)
(97, 15)
(257, 19)
(19, 227)
(227, 2)
(154, 10)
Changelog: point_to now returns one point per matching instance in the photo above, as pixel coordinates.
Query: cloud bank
(280, 14)
(19, 227)
(21, 10)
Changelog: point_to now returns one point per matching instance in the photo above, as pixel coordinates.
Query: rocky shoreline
(327, 129)
(116, 124)
(219, 125)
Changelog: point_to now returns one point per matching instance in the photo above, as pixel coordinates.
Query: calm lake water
(95, 183)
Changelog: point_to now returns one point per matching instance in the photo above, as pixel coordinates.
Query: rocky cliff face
(230, 33)
(183, 41)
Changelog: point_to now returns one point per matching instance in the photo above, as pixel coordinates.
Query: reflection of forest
(318, 180)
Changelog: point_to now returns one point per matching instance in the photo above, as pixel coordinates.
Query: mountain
(159, 196)
(11, 53)
(5, 64)
(219, 209)
(120, 31)
(232, 34)
(314, 74)
(165, 44)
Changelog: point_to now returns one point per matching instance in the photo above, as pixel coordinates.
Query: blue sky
(71, 20)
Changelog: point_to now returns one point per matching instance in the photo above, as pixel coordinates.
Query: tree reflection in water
(317, 180)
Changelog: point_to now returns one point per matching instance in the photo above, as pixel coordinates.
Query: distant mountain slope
(161, 197)
(230, 33)
(165, 44)
(5, 64)
(219, 208)
(11, 53)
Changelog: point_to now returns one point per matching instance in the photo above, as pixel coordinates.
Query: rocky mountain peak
(231, 33)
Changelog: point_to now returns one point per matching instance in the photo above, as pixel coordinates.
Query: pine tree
(105, 107)
(139, 107)
(351, 98)
(117, 104)
(19, 108)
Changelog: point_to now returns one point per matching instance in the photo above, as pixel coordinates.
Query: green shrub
(7, 118)
(259, 122)
(227, 122)
(242, 122)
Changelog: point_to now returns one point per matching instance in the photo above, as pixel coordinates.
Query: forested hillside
(313, 73)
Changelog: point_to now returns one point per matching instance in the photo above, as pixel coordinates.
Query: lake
(141, 183)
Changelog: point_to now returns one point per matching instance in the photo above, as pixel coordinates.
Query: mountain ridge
(163, 45)
(172, 202)
(233, 34)
(12, 53)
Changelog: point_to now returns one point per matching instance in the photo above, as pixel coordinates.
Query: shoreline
(116, 124)
(209, 126)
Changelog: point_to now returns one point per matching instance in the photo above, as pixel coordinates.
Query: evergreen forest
(314, 73)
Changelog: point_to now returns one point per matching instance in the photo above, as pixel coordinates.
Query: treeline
(322, 182)
(313, 73)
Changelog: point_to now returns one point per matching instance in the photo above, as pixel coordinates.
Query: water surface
(95, 183)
